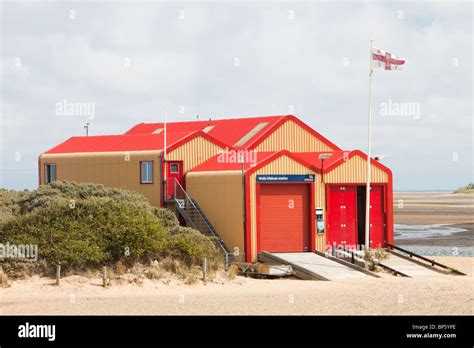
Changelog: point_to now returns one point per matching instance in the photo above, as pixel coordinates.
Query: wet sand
(422, 208)
(458, 239)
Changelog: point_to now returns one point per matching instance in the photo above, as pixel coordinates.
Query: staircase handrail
(176, 183)
(211, 229)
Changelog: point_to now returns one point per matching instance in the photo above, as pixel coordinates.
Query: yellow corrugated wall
(292, 137)
(320, 202)
(194, 152)
(112, 169)
(354, 170)
(219, 195)
(281, 165)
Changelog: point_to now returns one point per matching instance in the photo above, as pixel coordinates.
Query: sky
(120, 63)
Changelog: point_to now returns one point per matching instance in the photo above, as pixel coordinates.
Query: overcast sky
(127, 60)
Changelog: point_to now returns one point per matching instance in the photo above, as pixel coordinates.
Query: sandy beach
(440, 294)
(433, 207)
(430, 295)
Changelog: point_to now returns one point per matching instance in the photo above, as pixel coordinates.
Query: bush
(9, 203)
(94, 232)
(192, 246)
(45, 194)
(469, 188)
(167, 217)
(84, 226)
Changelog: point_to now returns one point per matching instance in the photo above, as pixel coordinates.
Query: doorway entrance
(174, 172)
(377, 215)
(346, 215)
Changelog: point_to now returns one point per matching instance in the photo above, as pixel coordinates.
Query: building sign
(285, 178)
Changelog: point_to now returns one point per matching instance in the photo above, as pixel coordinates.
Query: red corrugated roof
(313, 157)
(111, 143)
(228, 131)
(340, 157)
(243, 133)
(253, 159)
(229, 161)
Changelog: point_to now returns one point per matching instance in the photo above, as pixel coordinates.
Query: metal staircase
(195, 218)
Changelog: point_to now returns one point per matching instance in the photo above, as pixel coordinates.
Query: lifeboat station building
(260, 184)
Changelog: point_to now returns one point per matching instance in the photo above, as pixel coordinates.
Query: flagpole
(369, 139)
(164, 141)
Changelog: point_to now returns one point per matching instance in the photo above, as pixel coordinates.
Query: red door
(342, 215)
(377, 217)
(174, 172)
(284, 218)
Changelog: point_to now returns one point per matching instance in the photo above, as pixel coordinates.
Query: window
(146, 172)
(49, 173)
(174, 168)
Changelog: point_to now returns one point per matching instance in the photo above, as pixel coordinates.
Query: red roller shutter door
(342, 215)
(284, 218)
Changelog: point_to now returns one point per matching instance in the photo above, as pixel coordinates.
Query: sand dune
(440, 294)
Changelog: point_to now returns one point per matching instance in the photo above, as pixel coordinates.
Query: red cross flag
(386, 60)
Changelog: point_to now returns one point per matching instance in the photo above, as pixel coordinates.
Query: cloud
(132, 59)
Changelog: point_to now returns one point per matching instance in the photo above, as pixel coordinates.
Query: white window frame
(146, 172)
(177, 168)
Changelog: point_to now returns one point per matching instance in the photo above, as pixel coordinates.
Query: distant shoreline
(432, 191)
(428, 208)
(423, 191)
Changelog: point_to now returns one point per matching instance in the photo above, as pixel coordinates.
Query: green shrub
(84, 226)
(43, 195)
(469, 188)
(9, 203)
(96, 231)
(192, 246)
(167, 217)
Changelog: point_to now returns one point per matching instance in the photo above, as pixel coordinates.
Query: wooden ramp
(406, 268)
(312, 266)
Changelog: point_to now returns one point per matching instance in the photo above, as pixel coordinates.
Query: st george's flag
(386, 60)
